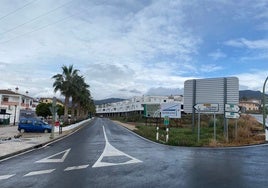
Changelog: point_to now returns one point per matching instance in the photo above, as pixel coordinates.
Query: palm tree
(65, 83)
(80, 97)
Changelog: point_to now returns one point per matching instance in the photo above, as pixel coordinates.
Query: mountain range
(243, 95)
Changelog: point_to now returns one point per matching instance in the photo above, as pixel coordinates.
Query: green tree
(65, 83)
(60, 110)
(42, 109)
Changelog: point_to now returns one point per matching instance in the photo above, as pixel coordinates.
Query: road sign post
(157, 133)
(166, 123)
(231, 112)
(198, 128)
(206, 108)
(214, 125)
(53, 109)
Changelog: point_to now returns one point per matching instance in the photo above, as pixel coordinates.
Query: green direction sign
(232, 115)
(166, 120)
(232, 108)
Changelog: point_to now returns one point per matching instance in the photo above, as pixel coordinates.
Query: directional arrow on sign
(207, 107)
(232, 108)
(232, 115)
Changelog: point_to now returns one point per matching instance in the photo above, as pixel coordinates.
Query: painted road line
(110, 151)
(76, 167)
(51, 159)
(4, 177)
(33, 173)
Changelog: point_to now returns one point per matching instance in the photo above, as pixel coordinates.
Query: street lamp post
(264, 103)
(15, 115)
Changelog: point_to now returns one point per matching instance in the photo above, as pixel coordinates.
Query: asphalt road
(104, 154)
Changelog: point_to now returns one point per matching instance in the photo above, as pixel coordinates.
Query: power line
(37, 29)
(16, 10)
(35, 18)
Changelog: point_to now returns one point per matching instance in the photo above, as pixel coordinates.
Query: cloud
(210, 68)
(161, 91)
(253, 80)
(218, 54)
(127, 48)
(251, 44)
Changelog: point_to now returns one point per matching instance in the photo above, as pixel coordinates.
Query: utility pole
(53, 111)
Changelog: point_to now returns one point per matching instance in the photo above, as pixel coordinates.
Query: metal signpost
(205, 108)
(232, 112)
(53, 111)
(211, 90)
(166, 110)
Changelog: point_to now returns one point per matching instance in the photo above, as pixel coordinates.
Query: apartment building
(12, 104)
(251, 105)
(50, 100)
(134, 105)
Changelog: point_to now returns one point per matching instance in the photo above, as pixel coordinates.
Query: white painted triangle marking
(110, 151)
(4, 177)
(57, 160)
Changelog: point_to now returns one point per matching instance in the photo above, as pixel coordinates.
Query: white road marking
(59, 160)
(76, 167)
(110, 151)
(39, 172)
(4, 177)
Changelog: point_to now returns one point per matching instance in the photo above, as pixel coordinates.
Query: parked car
(33, 125)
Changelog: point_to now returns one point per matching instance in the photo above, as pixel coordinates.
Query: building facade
(134, 105)
(251, 105)
(50, 100)
(12, 103)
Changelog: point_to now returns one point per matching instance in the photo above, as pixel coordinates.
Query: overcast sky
(128, 48)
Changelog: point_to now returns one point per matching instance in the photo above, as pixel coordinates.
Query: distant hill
(105, 101)
(246, 94)
(249, 94)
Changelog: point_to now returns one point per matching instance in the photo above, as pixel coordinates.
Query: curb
(7, 156)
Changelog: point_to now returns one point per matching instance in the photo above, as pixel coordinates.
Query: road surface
(104, 154)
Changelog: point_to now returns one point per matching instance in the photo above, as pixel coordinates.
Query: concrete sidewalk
(11, 145)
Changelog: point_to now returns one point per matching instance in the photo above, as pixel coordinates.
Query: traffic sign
(232, 108)
(232, 115)
(166, 120)
(207, 107)
(171, 110)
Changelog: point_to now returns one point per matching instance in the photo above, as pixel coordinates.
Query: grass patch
(249, 131)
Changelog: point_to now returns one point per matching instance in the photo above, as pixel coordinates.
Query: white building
(12, 103)
(134, 105)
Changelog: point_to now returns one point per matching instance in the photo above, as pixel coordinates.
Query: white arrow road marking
(39, 172)
(59, 160)
(76, 167)
(110, 151)
(4, 177)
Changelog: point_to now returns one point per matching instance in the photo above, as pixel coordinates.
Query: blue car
(33, 125)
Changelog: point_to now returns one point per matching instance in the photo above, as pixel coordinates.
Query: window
(29, 121)
(23, 121)
(5, 99)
